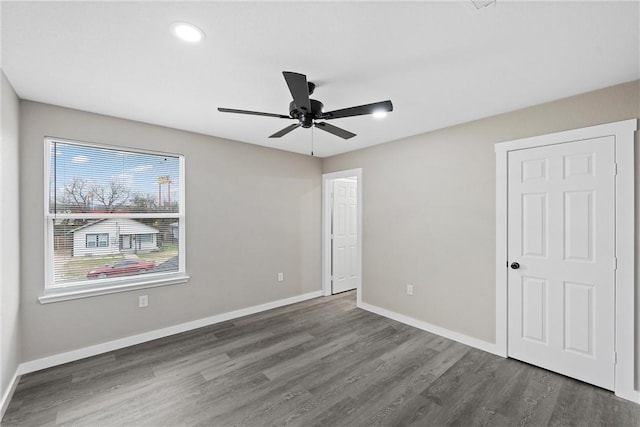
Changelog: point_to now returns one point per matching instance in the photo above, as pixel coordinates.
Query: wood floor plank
(313, 376)
(321, 362)
(532, 397)
(197, 360)
(331, 384)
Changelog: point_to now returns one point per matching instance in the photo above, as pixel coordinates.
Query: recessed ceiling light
(187, 32)
(380, 114)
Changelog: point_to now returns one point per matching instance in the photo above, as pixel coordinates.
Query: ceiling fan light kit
(308, 111)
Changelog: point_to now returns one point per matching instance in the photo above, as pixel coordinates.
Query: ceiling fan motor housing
(306, 117)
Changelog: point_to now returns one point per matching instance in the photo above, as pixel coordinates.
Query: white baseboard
(438, 330)
(632, 395)
(81, 353)
(8, 393)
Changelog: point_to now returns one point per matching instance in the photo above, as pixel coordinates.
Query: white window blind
(113, 215)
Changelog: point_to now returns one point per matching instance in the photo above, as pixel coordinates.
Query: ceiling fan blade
(255, 113)
(335, 130)
(285, 131)
(299, 89)
(360, 110)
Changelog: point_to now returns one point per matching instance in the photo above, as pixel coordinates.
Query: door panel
(578, 322)
(561, 231)
(534, 309)
(578, 232)
(534, 225)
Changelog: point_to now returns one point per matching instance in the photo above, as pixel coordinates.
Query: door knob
(515, 265)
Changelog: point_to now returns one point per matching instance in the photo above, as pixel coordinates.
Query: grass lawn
(166, 252)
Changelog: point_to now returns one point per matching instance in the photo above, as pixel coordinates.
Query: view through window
(113, 215)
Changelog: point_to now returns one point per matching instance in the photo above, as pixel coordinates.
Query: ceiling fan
(308, 111)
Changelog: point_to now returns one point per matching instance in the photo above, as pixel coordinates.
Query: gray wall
(251, 212)
(9, 238)
(429, 209)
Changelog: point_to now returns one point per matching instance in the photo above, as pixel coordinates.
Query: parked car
(121, 268)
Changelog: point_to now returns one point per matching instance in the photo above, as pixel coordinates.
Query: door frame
(623, 133)
(327, 181)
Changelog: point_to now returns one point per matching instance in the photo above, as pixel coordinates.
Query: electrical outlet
(143, 301)
(409, 289)
(280, 277)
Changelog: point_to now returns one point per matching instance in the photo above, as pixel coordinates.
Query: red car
(121, 268)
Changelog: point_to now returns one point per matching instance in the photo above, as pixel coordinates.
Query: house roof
(126, 226)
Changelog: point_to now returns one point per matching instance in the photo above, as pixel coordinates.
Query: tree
(82, 195)
(77, 194)
(114, 196)
(144, 203)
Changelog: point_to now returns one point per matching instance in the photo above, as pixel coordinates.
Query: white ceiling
(441, 63)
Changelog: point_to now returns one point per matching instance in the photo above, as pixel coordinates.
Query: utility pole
(164, 179)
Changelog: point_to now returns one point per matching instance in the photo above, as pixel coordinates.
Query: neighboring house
(112, 236)
(175, 230)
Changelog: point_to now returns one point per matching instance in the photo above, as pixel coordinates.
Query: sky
(137, 171)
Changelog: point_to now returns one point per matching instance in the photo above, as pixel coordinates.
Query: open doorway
(342, 231)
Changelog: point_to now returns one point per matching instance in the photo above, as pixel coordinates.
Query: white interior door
(561, 232)
(345, 235)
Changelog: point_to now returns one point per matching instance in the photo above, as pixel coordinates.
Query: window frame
(52, 291)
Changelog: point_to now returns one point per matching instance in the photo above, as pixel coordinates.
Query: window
(112, 218)
(145, 238)
(97, 240)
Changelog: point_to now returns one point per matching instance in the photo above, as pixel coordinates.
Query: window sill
(65, 294)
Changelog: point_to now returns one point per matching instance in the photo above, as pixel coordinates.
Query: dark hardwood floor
(321, 362)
